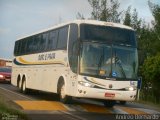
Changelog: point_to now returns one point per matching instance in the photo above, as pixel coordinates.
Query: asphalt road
(45, 106)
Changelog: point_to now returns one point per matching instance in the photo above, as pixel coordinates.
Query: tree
(95, 4)
(136, 22)
(104, 14)
(151, 40)
(132, 20)
(105, 10)
(114, 14)
(80, 16)
(127, 19)
(151, 73)
(155, 9)
(144, 42)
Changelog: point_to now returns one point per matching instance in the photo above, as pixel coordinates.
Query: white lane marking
(118, 111)
(15, 93)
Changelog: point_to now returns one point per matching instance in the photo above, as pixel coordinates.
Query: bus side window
(52, 40)
(62, 38)
(23, 46)
(16, 48)
(37, 44)
(43, 42)
(19, 47)
(34, 44)
(29, 45)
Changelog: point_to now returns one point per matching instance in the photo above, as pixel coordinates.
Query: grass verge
(7, 113)
(156, 106)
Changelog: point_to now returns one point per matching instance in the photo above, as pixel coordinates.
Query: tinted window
(43, 42)
(108, 34)
(19, 48)
(16, 47)
(36, 43)
(73, 47)
(52, 40)
(62, 38)
(30, 46)
(23, 46)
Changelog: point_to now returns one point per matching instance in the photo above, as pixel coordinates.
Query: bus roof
(93, 22)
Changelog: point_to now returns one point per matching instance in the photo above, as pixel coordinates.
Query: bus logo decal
(49, 56)
(21, 61)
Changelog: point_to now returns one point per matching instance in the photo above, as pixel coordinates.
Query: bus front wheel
(62, 93)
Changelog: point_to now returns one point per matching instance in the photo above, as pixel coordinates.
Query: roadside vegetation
(156, 106)
(8, 113)
(148, 41)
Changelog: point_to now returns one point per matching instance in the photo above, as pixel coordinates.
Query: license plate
(109, 94)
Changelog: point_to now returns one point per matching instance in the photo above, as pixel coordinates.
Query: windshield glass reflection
(102, 60)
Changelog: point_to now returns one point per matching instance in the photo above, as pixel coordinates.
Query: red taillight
(1, 76)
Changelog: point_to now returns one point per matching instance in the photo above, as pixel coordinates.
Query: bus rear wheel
(109, 103)
(62, 94)
(19, 84)
(23, 88)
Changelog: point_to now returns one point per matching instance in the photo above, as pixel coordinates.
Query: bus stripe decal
(93, 81)
(22, 62)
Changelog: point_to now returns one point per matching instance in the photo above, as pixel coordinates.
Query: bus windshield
(104, 54)
(102, 60)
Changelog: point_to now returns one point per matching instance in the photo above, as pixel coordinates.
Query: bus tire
(109, 103)
(23, 88)
(62, 94)
(19, 82)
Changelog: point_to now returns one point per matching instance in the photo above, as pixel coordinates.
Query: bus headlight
(132, 88)
(86, 84)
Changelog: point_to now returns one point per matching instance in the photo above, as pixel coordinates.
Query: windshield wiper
(100, 61)
(117, 60)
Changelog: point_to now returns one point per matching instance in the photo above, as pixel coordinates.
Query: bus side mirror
(139, 85)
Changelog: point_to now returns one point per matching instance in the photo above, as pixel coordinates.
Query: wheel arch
(24, 78)
(62, 79)
(19, 78)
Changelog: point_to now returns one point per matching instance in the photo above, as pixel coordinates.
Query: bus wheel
(23, 88)
(20, 84)
(63, 97)
(109, 103)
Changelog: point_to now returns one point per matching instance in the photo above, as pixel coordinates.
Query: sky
(22, 17)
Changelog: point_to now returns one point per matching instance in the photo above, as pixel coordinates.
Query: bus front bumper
(87, 92)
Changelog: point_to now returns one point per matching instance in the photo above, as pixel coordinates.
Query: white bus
(83, 58)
